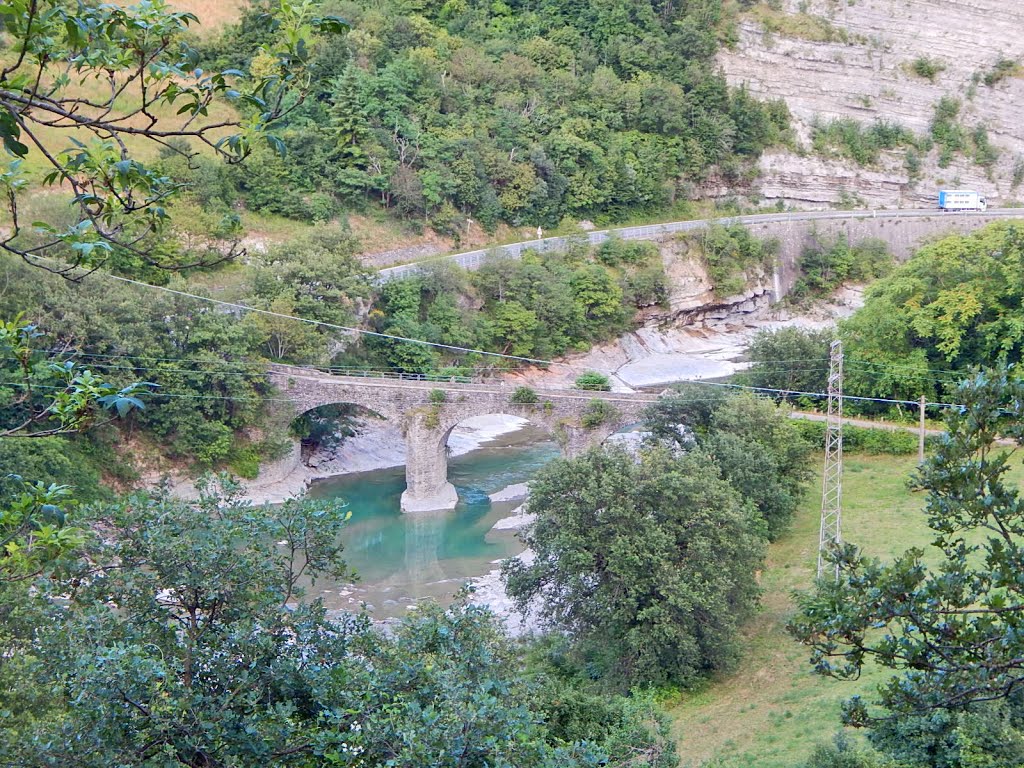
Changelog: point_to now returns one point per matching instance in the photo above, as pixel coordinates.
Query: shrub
(862, 144)
(985, 153)
(946, 130)
(927, 68)
(826, 265)
(597, 412)
(730, 252)
(524, 396)
(438, 396)
(646, 288)
(594, 381)
(615, 251)
(245, 462)
(50, 460)
(871, 441)
(843, 753)
(1001, 70)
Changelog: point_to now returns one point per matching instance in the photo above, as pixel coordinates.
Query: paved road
(473, 259)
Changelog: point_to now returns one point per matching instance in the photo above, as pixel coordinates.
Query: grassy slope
(212, 14)
(772, 710)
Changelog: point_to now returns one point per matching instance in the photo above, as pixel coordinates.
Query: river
(401, 559)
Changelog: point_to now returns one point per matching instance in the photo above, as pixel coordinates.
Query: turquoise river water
(401, 558)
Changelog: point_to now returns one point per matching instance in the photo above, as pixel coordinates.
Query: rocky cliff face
(854, 58)
(692, 298)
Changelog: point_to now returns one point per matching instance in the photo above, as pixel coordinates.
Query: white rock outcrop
(864, 71)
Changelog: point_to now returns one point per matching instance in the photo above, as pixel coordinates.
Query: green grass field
(772, 710)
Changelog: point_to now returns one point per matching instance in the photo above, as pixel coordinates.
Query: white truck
(961, 200)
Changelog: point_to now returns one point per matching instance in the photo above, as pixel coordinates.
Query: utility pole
(920, 439)
(832, 480)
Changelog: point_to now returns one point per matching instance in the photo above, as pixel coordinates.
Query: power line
(360, 331)
(320, 323)
(220, 361)
(444, 379)
(810, 394)
(345, 370)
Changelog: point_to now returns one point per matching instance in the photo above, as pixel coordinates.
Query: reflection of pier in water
(404, 559)
(424, 537)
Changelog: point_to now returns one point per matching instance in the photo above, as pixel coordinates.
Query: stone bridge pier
(429, 411)
(426, 442)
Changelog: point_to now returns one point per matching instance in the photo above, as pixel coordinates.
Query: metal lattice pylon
(832, 480)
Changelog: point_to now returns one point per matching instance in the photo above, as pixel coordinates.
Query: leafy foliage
(539, 307)
(955, 305)
(946, 130)
(842, 752)
(61, 461)
(524, 396)
(503, 113)
(755, 446)
(211, 387)
(139, 59)
(733, 255)
(872, 441)
(789, 360)
(927, 68)
(647, 565)
(945, 620)
(593, 380)
(176, 640)
(43, 395)
(33, 534)
(596, 413)
(1002, 69)
(827, 264)
(847, 137)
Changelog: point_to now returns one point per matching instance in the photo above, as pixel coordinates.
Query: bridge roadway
(474, 259)
(428, 411)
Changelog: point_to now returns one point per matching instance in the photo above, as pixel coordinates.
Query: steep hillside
(892, 60)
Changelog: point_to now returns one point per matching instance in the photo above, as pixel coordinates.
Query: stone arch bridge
(427, 417)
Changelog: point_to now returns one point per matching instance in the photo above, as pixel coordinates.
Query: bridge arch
(317, 425)
(428, 431)
(429, 410)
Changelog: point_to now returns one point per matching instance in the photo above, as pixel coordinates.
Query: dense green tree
(60, 461)
(176, 634)
(507, 113)
(756, 446)
(945, 619)
(647, 564)
(733, 255)
(685, 414)
(211, 384)
(827, 264)
(140, 63)
(44, 395)
(762, 454)
(955, 305)
(789, 360)
(318, 275)
(989, 734)
(539, 307)
(516, 326)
